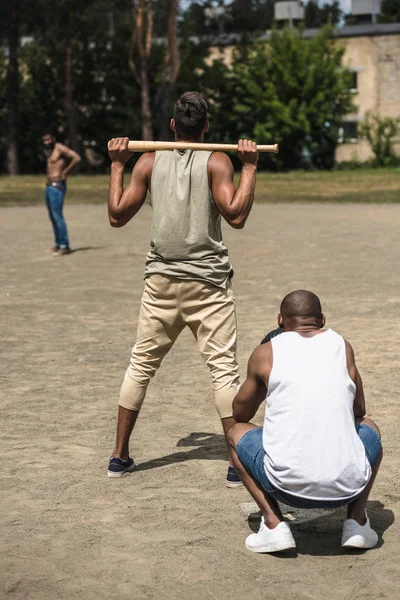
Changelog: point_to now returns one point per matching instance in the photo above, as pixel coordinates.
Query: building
(372, 53)
(289, 13)
(364, 11)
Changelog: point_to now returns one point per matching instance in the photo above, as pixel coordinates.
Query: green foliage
(251, 16)
(380, 133)
(292, 91)
(390, 11)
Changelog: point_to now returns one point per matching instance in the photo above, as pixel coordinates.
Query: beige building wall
(376, 59)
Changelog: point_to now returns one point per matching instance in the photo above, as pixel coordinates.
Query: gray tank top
(186, 238)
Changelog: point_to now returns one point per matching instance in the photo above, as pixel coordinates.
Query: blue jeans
(55, 200)
(251, 454)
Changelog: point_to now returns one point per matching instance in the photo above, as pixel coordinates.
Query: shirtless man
(60, 160)
(188, 273)
(317, 449)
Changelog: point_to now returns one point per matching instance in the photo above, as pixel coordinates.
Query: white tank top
(309, 437)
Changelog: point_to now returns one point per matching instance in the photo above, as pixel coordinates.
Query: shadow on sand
(210, 446)
(85, 249)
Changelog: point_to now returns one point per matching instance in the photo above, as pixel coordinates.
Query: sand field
(172, 530)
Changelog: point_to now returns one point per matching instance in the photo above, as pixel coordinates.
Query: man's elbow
(115, 222)
(237, 222)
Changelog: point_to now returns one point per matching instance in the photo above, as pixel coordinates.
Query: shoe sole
(357, 541)
(231, 484)
(122, 473)
(272, 547)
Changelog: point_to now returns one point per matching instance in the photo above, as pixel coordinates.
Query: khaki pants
(168, 305)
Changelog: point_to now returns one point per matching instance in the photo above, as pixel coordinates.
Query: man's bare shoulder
(63, 148)
(219, 161)
(261, 358)
(145, 163)
(349, 352)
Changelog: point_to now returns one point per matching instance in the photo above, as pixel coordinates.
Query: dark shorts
(251, 454)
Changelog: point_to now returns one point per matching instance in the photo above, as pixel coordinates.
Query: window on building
(354, 81)
(348, 132)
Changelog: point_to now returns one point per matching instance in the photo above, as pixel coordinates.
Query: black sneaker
(232, 479)
(118, 467)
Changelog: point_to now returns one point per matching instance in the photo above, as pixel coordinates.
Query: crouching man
(316, 448)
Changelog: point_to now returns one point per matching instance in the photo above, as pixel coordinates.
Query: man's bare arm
(254, 389)
(359, 399)
(124, 204)
(234, 204)
(72, 155)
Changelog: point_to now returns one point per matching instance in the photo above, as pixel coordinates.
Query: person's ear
(206, 126)
(172, 124)
(323, 320)
(280, 320)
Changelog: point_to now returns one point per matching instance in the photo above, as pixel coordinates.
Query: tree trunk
(12, 91)
(171, 70)
(147, 125)
(69, 109)
(141, 43)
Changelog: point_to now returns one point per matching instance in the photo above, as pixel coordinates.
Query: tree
(390, 11)
(380, 133)
(141, 43)
(251, 16)
(102, 91)
(12, 92)
(142, 46)
(171, 68)
(69, 107)
(316, 16)
(241, 16)
(60, 34)
(292, 91)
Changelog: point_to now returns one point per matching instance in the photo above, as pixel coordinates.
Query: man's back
(186, 239)
(312, 448)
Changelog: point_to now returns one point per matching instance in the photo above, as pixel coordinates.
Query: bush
(380, 133)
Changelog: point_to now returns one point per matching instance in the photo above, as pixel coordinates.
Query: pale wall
(377, 60)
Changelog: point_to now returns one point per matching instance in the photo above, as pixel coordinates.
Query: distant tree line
(90, 71)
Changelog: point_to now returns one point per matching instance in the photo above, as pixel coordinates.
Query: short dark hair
(301, 304)
(190, 115)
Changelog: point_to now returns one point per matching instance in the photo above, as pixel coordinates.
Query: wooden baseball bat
(140, 146)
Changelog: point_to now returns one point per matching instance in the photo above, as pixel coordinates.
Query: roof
(366, 30)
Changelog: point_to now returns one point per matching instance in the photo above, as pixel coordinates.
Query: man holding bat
(188, 273)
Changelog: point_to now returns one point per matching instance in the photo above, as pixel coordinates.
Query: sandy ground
(171, 530)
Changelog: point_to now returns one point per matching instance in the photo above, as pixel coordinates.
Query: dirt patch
(172, 530)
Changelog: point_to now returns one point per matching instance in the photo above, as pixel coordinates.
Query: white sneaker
(271, 540)
(358, 536)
